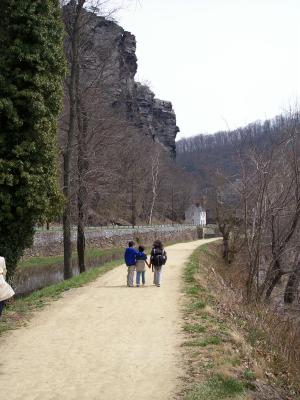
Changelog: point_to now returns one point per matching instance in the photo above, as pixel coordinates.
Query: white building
(195, 215)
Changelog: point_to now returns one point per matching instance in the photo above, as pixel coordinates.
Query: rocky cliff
(116, 48)
(156, 118)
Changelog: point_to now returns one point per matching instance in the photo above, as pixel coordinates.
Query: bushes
(31, 74)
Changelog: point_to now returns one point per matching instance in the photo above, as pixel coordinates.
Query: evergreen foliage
(32, 69)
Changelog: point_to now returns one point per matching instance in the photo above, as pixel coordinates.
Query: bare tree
(155, 162)
(73, 24)
(271, 204)
(89, 71)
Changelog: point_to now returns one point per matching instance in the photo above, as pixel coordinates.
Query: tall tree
(89, 68)
(31, 76)
(72, 18)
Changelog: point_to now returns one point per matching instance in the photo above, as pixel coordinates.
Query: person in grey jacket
(6, 291)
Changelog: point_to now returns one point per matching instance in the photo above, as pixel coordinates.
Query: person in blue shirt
(130, 260)
(141, 260)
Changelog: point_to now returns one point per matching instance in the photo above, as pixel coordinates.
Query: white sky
(222, 63)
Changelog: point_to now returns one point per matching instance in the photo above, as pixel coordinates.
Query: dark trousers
(2, 304)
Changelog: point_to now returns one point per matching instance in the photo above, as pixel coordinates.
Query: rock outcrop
(112, 45)
(156, 118)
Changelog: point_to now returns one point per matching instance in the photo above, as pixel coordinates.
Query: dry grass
(217, 364)
(273, 338)
(231, 345)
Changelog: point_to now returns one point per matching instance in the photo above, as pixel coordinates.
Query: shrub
(31, 77)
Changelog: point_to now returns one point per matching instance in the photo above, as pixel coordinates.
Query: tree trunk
(67, 176)
(249, 282)
(226, 246)
(82, 169)
(277, 274)
(74, 65)
(292, 285)
(81, 247)
(155, 171)
(67, 221)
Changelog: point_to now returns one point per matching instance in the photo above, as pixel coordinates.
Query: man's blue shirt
(130, 256)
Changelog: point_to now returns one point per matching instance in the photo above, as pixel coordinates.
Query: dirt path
(101, 342)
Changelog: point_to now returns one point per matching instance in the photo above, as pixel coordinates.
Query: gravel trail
(103, 341)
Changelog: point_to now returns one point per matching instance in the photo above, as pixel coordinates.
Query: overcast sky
(222, 63)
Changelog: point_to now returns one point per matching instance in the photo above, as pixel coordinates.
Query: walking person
(130, 260)
(158, 258)
(6, 292)
(141, 261)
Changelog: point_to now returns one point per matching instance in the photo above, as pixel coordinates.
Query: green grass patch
(194, 328)
(217, 387)
(235, 361)
(197, 305)
(51, 260)
(212, 340)
(190, 270)
(205, 317)
(19, 310)
(193, 290)
(249, 375)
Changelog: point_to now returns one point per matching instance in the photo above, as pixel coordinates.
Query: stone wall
(50, 243)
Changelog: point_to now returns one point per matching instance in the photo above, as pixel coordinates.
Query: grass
(213, 340)
(51, 260)
(217, 387)
(255, 335)
(197, 305)
(211, 356)
(249, 375)
(192, 291)
(18, 311)
(194, 328)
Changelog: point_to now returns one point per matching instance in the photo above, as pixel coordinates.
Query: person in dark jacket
(158, 258)
(130, 260)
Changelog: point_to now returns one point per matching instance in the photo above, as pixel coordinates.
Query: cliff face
(156, 118)
(116, 48)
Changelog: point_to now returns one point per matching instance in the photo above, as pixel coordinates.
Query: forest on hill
(203, 155)
(250, 180)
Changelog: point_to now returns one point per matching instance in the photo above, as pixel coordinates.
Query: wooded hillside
(250, 179)
(203, 155)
